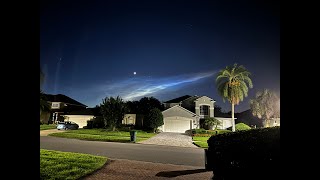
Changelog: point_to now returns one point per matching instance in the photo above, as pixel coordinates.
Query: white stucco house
(188, 112)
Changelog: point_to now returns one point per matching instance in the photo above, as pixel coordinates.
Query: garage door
(177, 124)
(81, 120)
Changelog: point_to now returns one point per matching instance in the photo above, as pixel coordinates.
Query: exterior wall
(275, 122)
(204, 100)
(129, 119)
(81, 120)
(226, 122)
(56, 105)
(179, 113)
(65, 107)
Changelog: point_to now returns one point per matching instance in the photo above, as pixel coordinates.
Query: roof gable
(204, 97)
(178, 111)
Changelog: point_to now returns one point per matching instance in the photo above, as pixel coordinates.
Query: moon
(134, 73)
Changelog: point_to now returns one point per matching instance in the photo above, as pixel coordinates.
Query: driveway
(49, 131)
(171, 139)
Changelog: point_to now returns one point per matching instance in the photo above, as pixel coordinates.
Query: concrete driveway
(171, 139)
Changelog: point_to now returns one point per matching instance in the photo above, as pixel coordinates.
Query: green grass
(66, 165)
(103, 135)
(47, 126)
(201, 141)
(204, 139)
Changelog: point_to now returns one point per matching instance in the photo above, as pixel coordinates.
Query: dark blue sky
(175, 47)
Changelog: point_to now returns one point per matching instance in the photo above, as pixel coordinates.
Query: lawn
(47, 126)
(201, 141)
(103, 135)
(67, 165)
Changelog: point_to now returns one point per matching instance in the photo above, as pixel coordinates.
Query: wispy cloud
(139, 86)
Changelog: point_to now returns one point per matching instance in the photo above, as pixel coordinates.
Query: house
(275, 122)
(60, 105)
(81, 117)
(129, 119)
(188, 112)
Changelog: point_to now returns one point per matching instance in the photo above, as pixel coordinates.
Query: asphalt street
(131, 151)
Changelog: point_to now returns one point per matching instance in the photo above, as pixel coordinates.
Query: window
(204, 110)
(55, 105)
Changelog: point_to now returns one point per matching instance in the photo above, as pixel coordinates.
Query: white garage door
(177, 124)
(81, 120)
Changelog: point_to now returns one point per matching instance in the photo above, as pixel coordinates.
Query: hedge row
(201, 135)
(212, 132)
(235, 155)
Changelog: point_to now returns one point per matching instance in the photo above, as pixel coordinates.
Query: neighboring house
(274, 122)
(82, 116)
(188, 112)
(253, 121)
(60, 105)
(129, 119)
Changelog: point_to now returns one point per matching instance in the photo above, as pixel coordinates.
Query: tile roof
(179, 99)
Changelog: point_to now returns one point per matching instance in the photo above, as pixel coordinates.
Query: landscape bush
(211, 132)
(242, 126)
(96, 122)
(234, 155)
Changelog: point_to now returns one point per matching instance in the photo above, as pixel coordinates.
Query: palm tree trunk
(233, 123)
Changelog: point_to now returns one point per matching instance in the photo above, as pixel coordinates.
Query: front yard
(67, 165)
(200, 136)
(201, 141)
(47, 126)
(103, 135)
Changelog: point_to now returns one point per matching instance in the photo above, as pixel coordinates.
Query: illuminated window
(55, 105)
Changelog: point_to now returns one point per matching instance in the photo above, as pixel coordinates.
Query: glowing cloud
(137, 87)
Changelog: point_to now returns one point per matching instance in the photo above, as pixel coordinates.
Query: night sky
(91, 49)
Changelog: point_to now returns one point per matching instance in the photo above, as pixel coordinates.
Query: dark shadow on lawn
(179, 173)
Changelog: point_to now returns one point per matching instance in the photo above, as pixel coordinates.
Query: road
(140, 152)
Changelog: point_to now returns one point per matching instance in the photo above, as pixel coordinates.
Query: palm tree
(232, 84)
(265, 105)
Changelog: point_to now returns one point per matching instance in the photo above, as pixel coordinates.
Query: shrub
(254, 151)
(242, 126)
(96, 122)
(154, 119)
(201, 135)
(125, 127)
(211, 132)
(199, 131)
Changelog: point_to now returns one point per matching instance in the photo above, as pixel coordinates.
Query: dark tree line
(112, 111)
